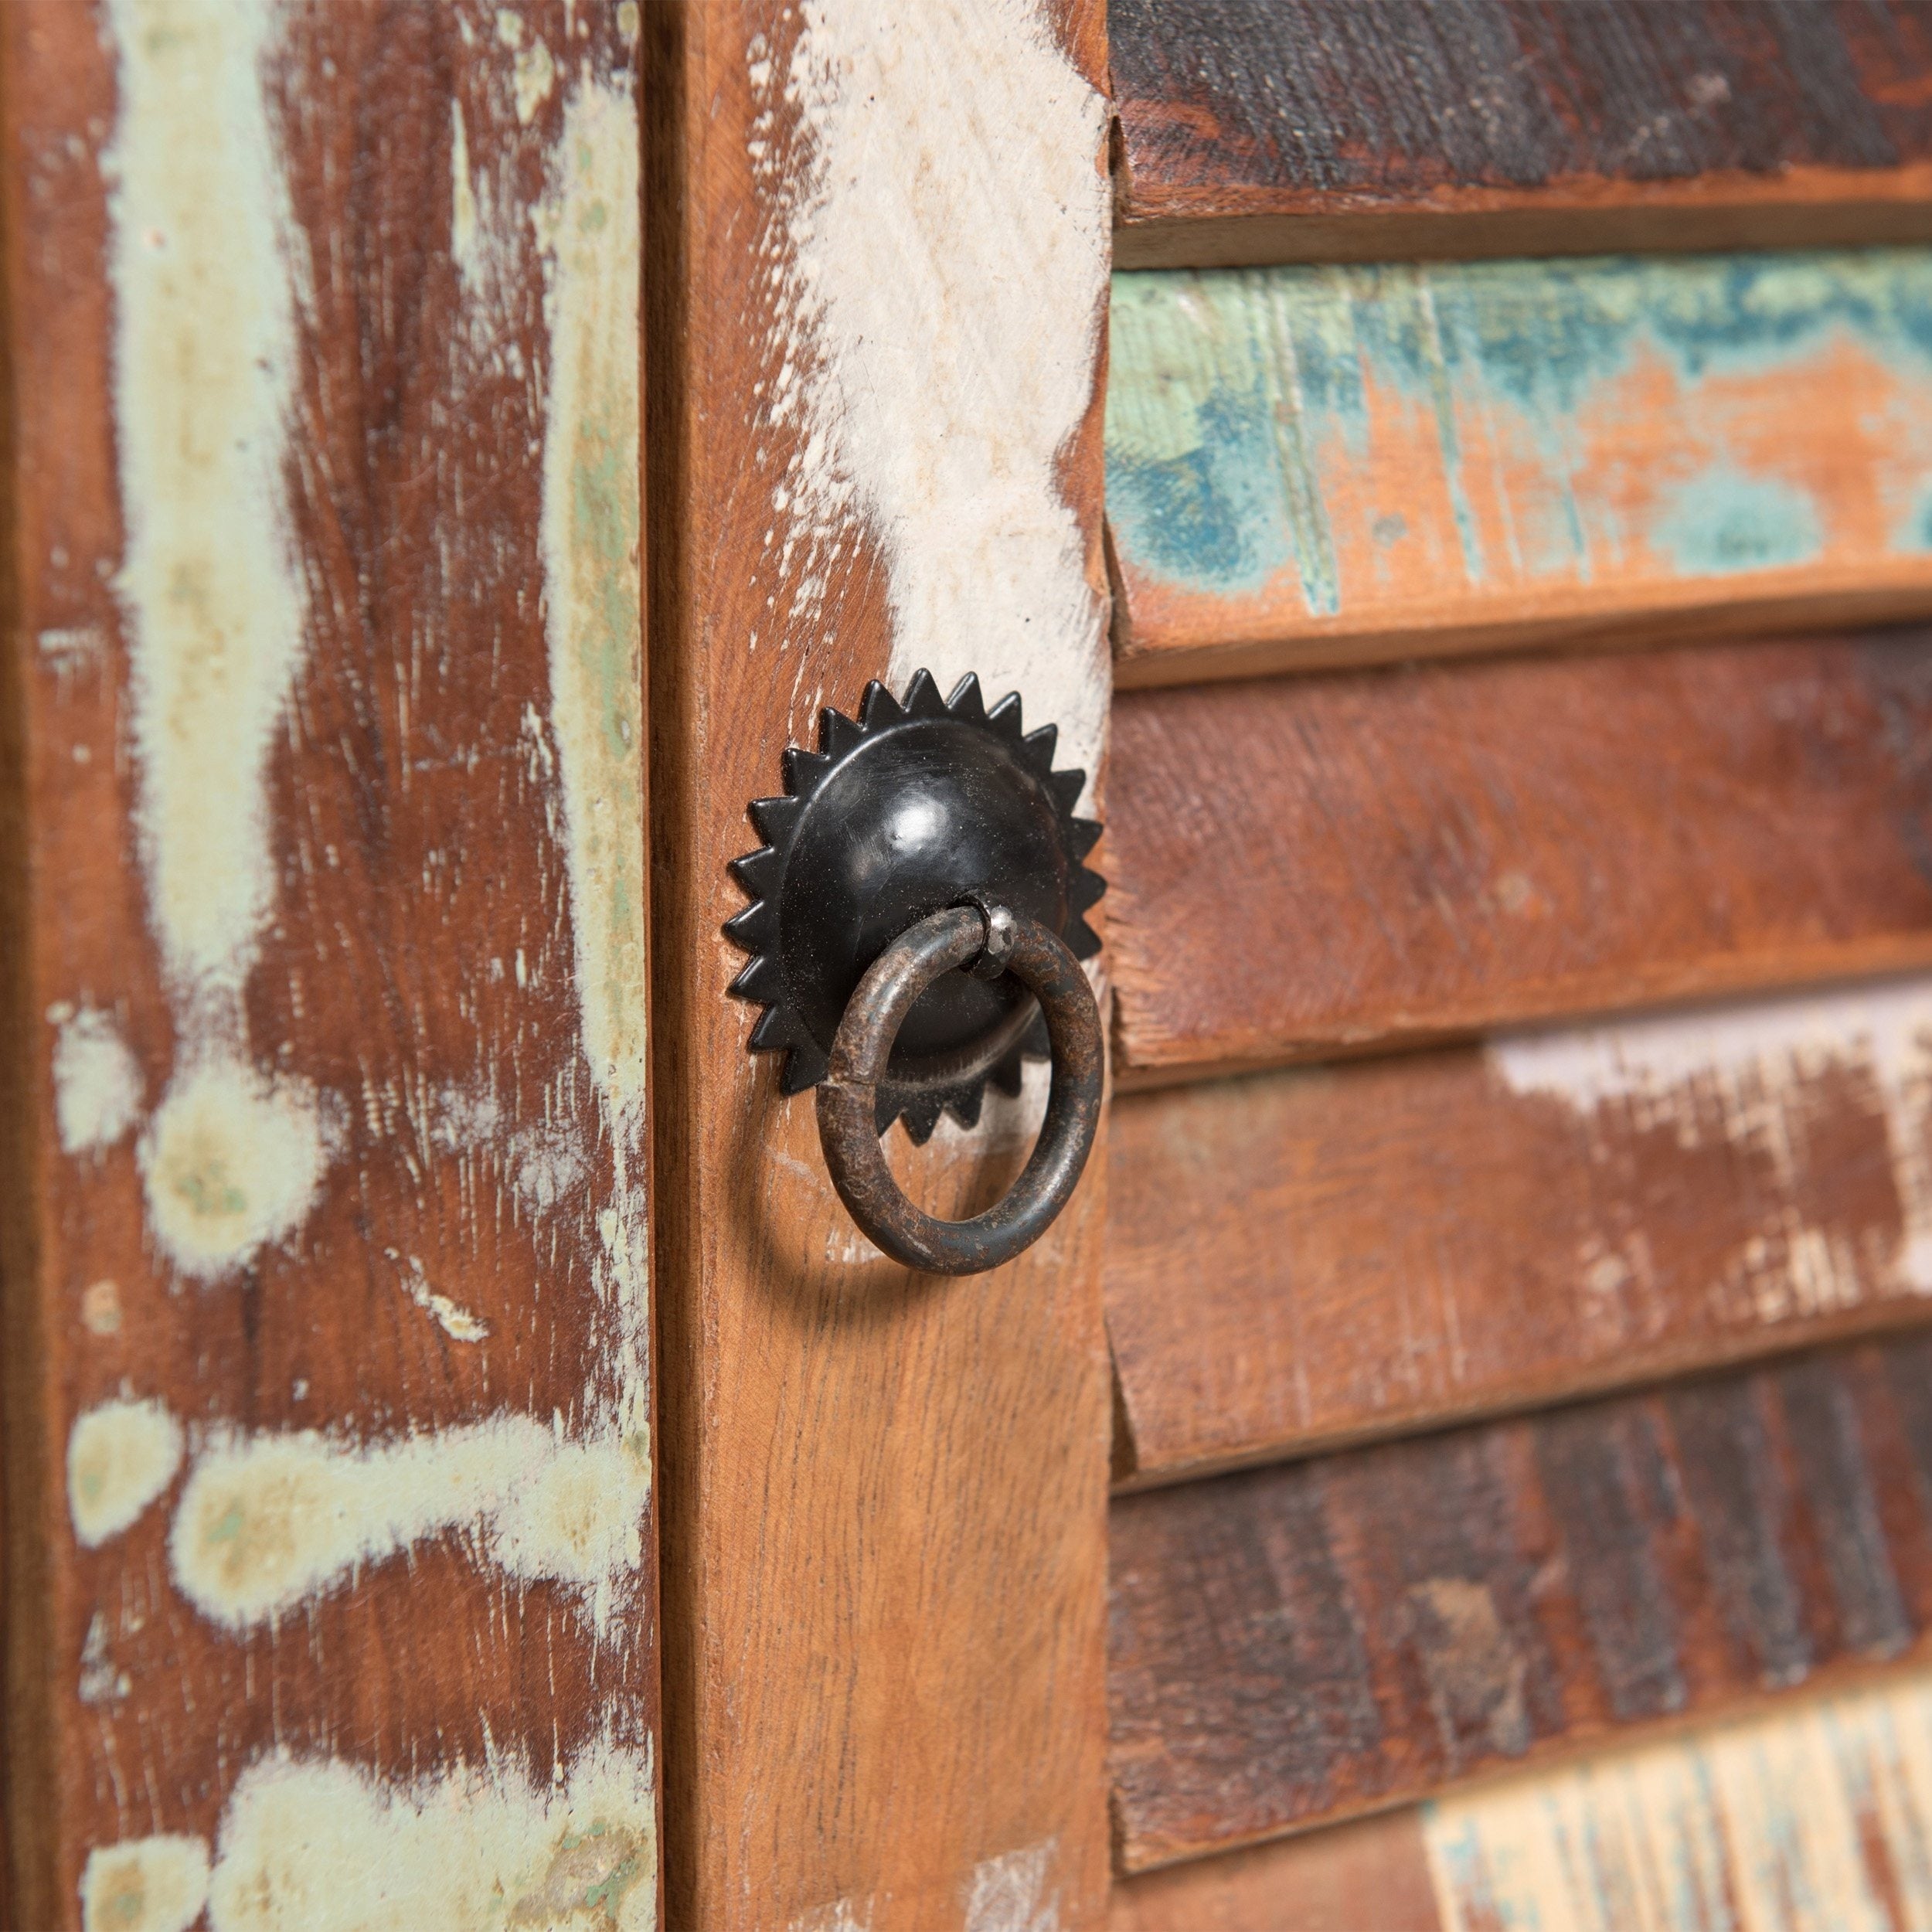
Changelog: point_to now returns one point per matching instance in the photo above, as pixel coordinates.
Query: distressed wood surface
(1295, 1260)
(1321, 864)
(332, 1565)
(1257, 131)
(1316, 466)
(1812, 1817)
(1372, 1876)
(1292, 1646)
(885, 1496)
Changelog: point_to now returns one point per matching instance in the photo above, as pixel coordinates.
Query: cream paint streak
(948, 225)
(1801, 1820)
(267, 1523)
(1747, 1075)
(311, 1844)
(204, 369)
(96, 1081)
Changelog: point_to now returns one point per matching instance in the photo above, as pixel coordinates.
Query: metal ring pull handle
(984, 938)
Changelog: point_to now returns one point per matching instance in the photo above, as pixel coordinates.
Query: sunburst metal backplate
(912, 807)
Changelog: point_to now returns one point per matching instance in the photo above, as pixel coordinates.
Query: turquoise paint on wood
(1238, 399)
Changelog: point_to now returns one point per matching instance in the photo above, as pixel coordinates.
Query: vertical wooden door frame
(879, 268)
(330, 1550)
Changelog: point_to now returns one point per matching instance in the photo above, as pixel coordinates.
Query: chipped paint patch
(204, 368)
(120, 1456)
(1815, 1818)
(314, 1846)
(455, 1321)
(96, 1081)
(1745, 1075)
(155, 1884)
(533, 76)
(268, 1522)
(1010, 1893)
(232, 1162)
(942, 348)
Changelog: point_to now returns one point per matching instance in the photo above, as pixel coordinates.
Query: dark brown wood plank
(1299, 1259)
(329, 1436)
(1256, 131)
(1295, 1644)
(1339, 863)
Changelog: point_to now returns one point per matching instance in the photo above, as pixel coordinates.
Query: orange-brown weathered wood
(1346, 130)
(1293, 1645)
(331, 1558)
(1298, 1259)
(885, 1495)
(1334, 864)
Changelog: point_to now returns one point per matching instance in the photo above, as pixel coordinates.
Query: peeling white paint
(155, 1884)
(232, 1162)
(101, 1683)
(1803, 1819)
(1010, 1893)
(204, 367)
(100, 1307)
(534, 75)
(120, 1456)
(947, 222)
(268, 1522)
(97, 1085)
(455, 1321)
(314, 1846)
(205, 361)
(1747, 1076)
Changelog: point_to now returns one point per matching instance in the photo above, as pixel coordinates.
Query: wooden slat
(883, 268)
(1299, 1259)
(1256, 130)
(1312, 466)
(331, 1583)
(1354, 861)
(1814, 1817)
(1294, 1644)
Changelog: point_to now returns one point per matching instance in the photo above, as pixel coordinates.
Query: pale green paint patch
(1237, 398)
(1722, 520)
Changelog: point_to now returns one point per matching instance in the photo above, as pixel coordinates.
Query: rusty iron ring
(848, 1098)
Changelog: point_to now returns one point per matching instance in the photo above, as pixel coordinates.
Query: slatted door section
(1520, 936)
(331, 1551)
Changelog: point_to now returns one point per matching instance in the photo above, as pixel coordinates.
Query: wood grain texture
(1300, 1259)
(1372, 1876)
(1811, 1816)
(1293, 1644)
(1327, 865)
(1316, 466)
(885, 1496)
(330, 1575)
(1262, 131)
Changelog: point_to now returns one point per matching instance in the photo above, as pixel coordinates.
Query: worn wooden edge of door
(1799, 208)
(449, 1691)
(1302, 1259)
(884, 1526)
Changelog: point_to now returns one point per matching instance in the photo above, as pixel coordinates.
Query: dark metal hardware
(848, 1097)
(914, 810)
(908, 810)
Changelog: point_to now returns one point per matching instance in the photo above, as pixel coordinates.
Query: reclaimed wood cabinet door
(1461, 1459)
(331, 1548)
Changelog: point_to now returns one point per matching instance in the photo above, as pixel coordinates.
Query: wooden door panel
(1257, 131)
(1310, 466)
(331, 1549)
(1338, 864)
(1300, 1258)
(1292, 1646)
(877, 443)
